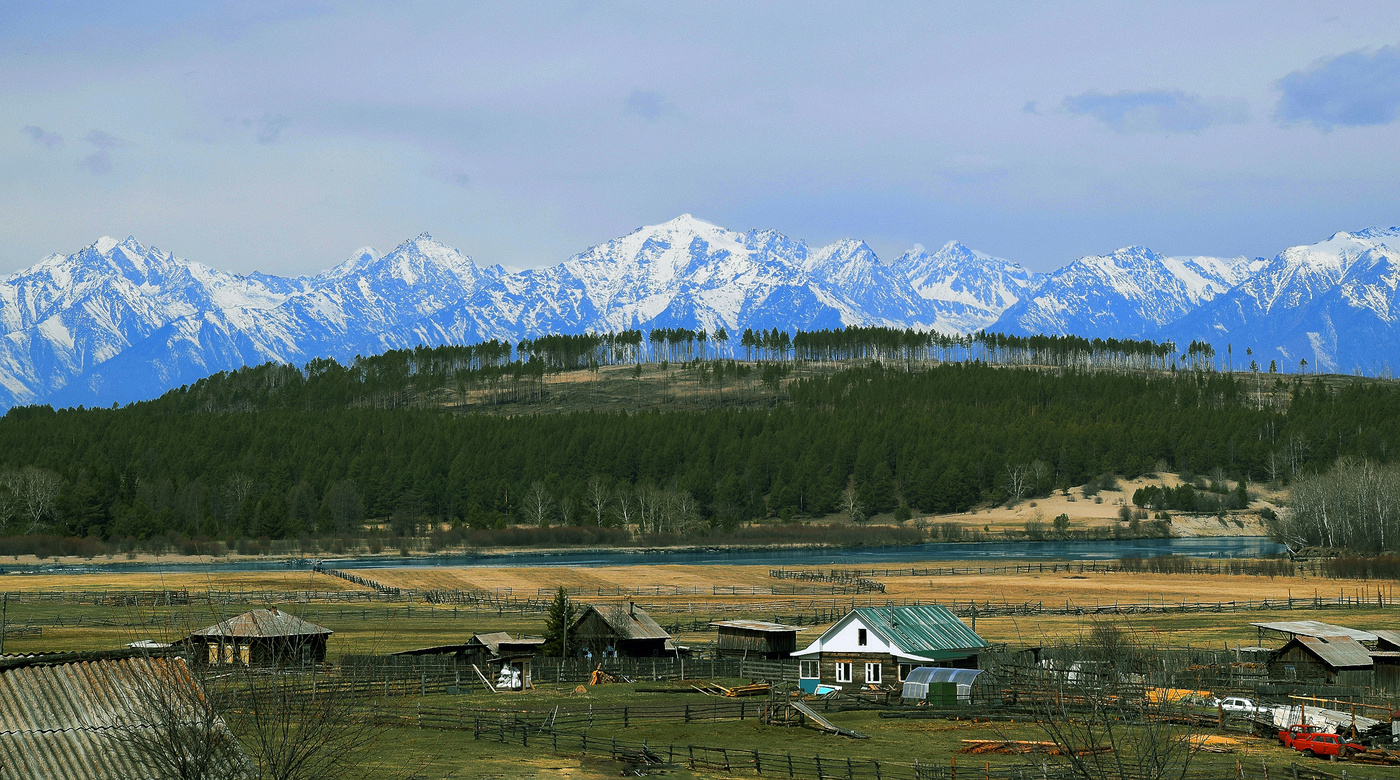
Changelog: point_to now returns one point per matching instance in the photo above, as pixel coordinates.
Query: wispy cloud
(1157, 110)
(100, 161)
(43, 137)
(648, 104)
(1353, 89)
(271, 127)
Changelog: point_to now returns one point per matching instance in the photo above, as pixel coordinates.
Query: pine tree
(557, 622)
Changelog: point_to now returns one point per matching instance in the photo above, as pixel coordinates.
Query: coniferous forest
(897, 422)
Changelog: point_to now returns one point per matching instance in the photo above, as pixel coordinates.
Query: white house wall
(844, 637)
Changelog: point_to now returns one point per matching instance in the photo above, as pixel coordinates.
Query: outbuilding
(261, 637)
(882, 645)
(755, 639)
(612, 630)
(1334, 660)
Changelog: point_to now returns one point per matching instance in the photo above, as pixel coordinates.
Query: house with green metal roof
(881, 645)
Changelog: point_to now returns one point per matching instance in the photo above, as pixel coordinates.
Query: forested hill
(303, 460)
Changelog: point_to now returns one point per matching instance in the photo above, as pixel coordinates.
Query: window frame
(903, 671)
(849, 671)
(815, 668)
(877, 667)
(862, 637)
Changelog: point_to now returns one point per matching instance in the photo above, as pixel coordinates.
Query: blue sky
(281, 136)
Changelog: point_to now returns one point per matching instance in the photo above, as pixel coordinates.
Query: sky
(280, 137)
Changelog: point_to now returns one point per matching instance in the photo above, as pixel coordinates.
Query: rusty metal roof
(756, 625)
(627, 621)
(264, 623)
(1338, 652)
(1316, 628)
(70, 720)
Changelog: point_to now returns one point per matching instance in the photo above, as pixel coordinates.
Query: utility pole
(4, 620)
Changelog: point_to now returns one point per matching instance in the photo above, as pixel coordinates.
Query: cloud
(272, 127)
(1157, 110)
(41, 136)
(104, 141)
(648, 104)
(1350, 90)
(99, 162)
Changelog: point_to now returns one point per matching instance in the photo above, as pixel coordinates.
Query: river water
(993, 553)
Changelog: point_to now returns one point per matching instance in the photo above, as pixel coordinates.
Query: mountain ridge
(118, 321)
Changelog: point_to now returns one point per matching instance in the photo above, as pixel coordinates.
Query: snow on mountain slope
(1130, 293)
(69, 313)
(969, 290)
(1332, 303)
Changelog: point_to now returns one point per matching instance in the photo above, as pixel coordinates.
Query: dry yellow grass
(238, 581)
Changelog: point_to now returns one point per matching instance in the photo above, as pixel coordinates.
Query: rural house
(611, 630)
(497, 654)
(101, 716)
(262, 637)
(1334, 660)
(881, 645)
(755, 639)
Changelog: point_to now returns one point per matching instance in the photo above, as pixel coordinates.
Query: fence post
(757, 764)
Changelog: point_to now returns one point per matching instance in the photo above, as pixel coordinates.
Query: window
(904, 670)
(872, 674)
(860, 637)
(810, 670)
(843, 671)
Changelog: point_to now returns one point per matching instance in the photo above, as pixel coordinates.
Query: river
(863, 557)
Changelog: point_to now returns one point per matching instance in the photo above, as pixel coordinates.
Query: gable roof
(265, 623)
(628, 621)
(70, 720)
(929, 632)
(1338, 652)
(926, 629)
(760, 626)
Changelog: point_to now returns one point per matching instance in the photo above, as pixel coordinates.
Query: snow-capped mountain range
(118, 321)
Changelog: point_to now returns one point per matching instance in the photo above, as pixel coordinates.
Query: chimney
(632, 608)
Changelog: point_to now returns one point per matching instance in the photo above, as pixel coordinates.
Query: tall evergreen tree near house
(557, 620)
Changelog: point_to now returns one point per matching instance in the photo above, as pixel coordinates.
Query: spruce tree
(557, 622)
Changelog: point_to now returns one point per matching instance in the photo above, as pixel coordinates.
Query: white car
(1238, 705)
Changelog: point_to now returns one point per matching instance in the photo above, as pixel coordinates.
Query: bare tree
(684, 510)
(1016, 476)
(9, 497)
(851, 504)
(568, 510)
(182, 733)
(38, 493)
(598, 498)
(538, 504)
(1101, 724)
(625, 507)
(1273, 463)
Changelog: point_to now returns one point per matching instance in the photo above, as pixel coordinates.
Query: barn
(261, 637)
(1334, 660)
(755, 639)
(611, 630)
(882, 645)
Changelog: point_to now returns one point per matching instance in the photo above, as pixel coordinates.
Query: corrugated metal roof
(70, 720)
(629, 622)
(757, 625)
(1389, 637)
(262, 623)
(1316, 628)
(926, 630)
(1339, 652)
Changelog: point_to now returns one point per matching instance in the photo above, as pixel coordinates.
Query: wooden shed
(755, 639)
(1386, 660)
(261, 637)
(611, 630)
(1334, 660)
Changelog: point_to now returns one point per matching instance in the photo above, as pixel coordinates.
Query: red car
(1327, 745)
(1286, 736)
